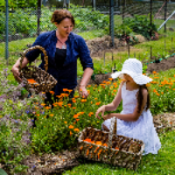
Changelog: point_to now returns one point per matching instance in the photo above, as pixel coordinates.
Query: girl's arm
(111, 106)
(133, 116)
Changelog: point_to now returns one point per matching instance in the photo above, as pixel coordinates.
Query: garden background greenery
(60, 130)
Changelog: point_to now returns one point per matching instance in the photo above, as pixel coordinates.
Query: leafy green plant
(141, 25)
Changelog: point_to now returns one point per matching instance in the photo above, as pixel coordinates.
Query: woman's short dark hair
(59, 15)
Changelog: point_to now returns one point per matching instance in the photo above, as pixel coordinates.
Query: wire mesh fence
(95, 15)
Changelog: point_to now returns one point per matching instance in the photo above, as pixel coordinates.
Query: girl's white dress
(142, 129)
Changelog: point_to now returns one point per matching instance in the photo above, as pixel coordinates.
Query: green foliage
(85, 19)
(18, 4)
(141, 25)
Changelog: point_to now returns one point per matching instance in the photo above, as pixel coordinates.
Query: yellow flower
(65, 122)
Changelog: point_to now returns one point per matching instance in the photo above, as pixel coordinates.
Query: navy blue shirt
(67, 74)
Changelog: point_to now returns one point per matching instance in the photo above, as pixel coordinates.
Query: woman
(63, 48)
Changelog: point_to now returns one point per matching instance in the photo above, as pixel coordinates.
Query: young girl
(135, 120)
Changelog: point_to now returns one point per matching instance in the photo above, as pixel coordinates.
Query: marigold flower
(110, 79)
(76, 130)
(90, 114)
(83, 100)
(71, 126)
(98, 103)
(47, 107)
(77, 119)
(69, 104)
(71, 133)
(74, 107)
(75, 116)
(154, 72)
(65, 89)
(51, 115)
(43, 104)
(52, 92)
(31, 81)
(65, 122)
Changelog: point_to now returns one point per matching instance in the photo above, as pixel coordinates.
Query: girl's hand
(100, 110)
(107, 116)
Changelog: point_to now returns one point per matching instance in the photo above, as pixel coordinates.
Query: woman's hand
(16, 73)
(83, 92)
(100, 110)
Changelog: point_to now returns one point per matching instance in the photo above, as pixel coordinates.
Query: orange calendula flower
(77, 119)
(83, 100)
(71, 126)
(110, 79)
(52, 92)
(47, 107)
(43, 104)
(65, 122)
(90, 114)
(75, 116)
(98, 143)
(98, 103)
(51, 115)
(71, 133)
(76, 130)
(74, 107)
(69, 104)
(31, 81)
(65, 89)
(154, 72)
(64, 94)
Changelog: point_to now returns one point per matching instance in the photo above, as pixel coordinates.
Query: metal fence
(116, 10)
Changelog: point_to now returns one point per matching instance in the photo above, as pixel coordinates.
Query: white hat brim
(138, 78)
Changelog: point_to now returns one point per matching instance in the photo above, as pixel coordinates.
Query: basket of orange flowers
(34, 78)
(108, 147)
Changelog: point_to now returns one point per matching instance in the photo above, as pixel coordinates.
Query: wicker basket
(110, 148)
(42, 80)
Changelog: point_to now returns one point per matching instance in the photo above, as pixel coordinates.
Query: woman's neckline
(60, 49)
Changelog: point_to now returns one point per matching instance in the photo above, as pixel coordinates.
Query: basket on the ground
(34, 78)
(108, 147)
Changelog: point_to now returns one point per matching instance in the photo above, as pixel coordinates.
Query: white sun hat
(133, 68)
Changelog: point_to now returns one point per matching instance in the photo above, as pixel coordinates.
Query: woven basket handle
(113, 131)
(33, 48)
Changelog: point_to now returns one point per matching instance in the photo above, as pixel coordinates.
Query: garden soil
(57, 163)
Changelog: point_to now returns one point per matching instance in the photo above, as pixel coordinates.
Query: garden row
(57, 129)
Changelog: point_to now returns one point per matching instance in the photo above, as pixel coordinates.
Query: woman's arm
(112, 106)
(86, 77)
(16, 67)
(87, 64)
(133, 116)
